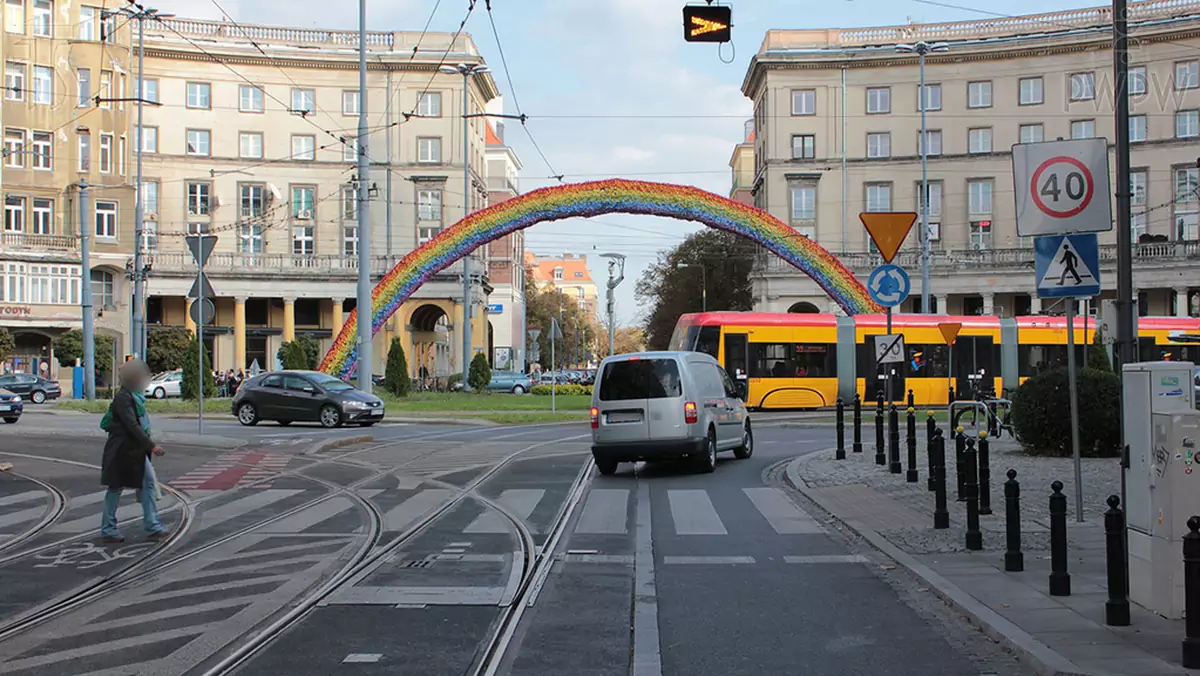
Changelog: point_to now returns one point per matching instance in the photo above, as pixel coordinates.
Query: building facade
(506, 256)
(252, 139)
(837, 129)
(65, 125)
(569, 274)
(742, 165)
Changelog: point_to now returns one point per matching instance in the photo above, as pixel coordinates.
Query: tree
(668, 290)
(69, 347)
(480, 373)
(581, 330)
(395, 377)
(1097, 357)
(7, 344)
(166, 348)
(189, 386)
(301, 354)
(629, 339)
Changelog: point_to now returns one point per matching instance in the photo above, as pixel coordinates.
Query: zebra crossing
(694, 512)
(233, 470)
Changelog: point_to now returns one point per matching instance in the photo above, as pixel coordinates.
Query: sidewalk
(1056, 635)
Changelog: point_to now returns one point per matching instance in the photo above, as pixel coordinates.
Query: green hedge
(567, 389)
(1042, 420)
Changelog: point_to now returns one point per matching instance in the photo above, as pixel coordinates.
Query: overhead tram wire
(442, 61)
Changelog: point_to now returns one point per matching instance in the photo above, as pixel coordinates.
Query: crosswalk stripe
(694, 514)
(403, 514)
(21, 516)
(783, 515)
(605, 512)
(520, 501)
(241, 506)
(23, 497)
(85, 500)
(92, 521)
(310, 517)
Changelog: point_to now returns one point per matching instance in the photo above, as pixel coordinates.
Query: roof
(492, 139)
(575, 270)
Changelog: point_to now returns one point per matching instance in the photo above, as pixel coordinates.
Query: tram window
(928, 361)
(815, 360)
(1035, 359)
(1177, 353)
(707, 340)
(770, 360)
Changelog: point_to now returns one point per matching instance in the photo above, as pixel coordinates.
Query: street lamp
(466, 71)
(922, 48)
(616, 263)
(703, 283)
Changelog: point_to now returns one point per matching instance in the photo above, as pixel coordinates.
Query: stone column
(338, 318)
(1181, 301)
(187, 317)
(989, 303)
(239, 333)
(1035, 305)
(943, 304)
(289, 319)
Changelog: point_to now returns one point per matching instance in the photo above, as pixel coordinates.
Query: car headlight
(356, 404)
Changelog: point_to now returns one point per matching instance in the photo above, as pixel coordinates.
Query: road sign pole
(887, 372)
(1072, 387)
(200, 342)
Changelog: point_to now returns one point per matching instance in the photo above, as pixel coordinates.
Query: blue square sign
(1068, 266)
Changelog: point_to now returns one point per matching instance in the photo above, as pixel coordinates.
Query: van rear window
(640, 379)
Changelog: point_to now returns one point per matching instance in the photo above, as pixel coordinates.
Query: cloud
(631, 154)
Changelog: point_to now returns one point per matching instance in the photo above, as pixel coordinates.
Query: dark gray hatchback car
(305, 396)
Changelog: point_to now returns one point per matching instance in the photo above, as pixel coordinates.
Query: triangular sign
(201, 247)
(201, 288)
(555, 331)
(1067, 269)
(534, 333)
(949, 331)
(888, 229)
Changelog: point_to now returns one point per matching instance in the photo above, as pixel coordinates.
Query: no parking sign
(1062, 187)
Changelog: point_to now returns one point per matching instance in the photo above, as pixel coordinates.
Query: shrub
(7, 343)
(166, 347)
(1041, 413)
(301, 354)
(395, 376)
(568, 389)
(1097, 356)
(480, 373)
(188, 387)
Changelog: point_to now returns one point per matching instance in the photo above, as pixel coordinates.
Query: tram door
(737, 356)
(876, 382)
(974, 365)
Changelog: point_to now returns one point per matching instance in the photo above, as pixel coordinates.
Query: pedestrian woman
(127, 453)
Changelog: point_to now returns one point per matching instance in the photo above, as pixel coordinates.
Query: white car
(165, 385)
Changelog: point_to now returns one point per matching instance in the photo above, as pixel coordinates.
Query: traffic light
(707, 23)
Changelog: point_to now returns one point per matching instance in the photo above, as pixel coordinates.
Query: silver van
(666, 405)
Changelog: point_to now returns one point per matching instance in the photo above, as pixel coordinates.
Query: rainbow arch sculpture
(595, 198)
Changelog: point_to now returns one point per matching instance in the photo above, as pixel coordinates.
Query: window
(424, 234)
(303, 241)
(349, 203)
(642, 379)
(303, 202)
(879, 196)
(43, 150)
(198, 228)
(429, 150)
(879, 100)
(979, 94)
(935, 142)
(979, 194)
(102, 289)
(14, 148)
(14, 214)
(250, 145)
(250, 238)
(121, 154)
(106, 219)
(304, 101)
(429, 205)
(85, 151)
(1081, 129)
(979, 140)
(935, 208)
(350, 240)
(84, 77)
(43, 20)
(1187, 203)
(250, 99)
(253, 200)
(1031, 133)
(87, 23)
(1137, 82)
(350, 102)
(150, 90)
(1187, 124)
(14, 16)
(199, 95)
(804, 147)
(106, 150)
(304, 147)
(149, 198)
(1187, 75)
(43, 217)
(430, 105)
(879, 144)
(53, 284)
(933, 97)
(804, 101)
(1083, 86)
(1031, 91)
(14, 81)
(198, 199)
(105, 90)
(350, 150)
(804, 203)
(43, 85)
(558, 273)
(1137, 128)
(981, 235)
(199, 142)
(150, 139)
(1138, 186)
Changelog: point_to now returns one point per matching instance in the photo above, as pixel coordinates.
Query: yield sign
(949, 331)
(201, 289)
(888, 229)
(201, 247)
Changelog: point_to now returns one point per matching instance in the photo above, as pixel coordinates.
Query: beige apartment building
(252, 139)
(65, 68)
(837, 132)
(506, 256)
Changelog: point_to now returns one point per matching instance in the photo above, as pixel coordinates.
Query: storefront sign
(15, 311)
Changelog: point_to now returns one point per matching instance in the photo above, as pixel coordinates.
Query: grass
(465, 403)
(532, 418)
(153, 406)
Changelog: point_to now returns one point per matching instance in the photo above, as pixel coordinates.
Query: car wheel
(518, 390)
(11, 420)
(38, 397)
(368, 423)
(707, 463)
(247, 415)
(284, 423)
(160, 393)
(747, 448)
(331, 416)
(606, 466)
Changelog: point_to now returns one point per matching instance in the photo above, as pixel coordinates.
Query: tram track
(58, 507)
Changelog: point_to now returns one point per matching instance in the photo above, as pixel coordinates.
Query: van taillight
(689, 413)
(595, 417)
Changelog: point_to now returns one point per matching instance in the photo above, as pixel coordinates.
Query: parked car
(165, 385)
(305, 396)
(510, 381)
(11, 406)
(667, 405)
(31, 387)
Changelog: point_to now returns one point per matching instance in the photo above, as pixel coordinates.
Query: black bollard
(857, 423)
(930, 430)
(911, 399)
(941, 517)
(841, 430)
(894, 465)
(974, 539)
(1116, 609)
(985, 475)
(1191, 594)
(880, 442)
(1014, 560)
(960, 445)
(1060, 579)
(911, 477)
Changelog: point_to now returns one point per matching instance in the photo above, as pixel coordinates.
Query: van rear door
(639, 399)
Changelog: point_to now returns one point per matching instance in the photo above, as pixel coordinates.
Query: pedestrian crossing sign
(1068, 266)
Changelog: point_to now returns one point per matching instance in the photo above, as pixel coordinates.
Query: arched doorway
(431, 357)
(31, 354)
(804, 308)
(596, 198)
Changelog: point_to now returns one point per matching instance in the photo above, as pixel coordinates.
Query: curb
(1043, 660)
(330, 444)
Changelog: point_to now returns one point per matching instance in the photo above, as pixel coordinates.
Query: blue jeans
(145, 495)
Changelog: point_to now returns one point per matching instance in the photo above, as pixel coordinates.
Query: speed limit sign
(1062, 187)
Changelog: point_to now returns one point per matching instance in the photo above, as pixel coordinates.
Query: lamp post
(616, 263)
(922, 48)
(703, 283)
(466, 70)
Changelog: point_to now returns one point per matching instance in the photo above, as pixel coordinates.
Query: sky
(612, 90)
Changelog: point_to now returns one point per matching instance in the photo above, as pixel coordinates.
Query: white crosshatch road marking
(605, 512)
(694, 514)
(783, 515)
(362, 658)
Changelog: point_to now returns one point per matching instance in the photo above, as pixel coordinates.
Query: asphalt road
(415, 548)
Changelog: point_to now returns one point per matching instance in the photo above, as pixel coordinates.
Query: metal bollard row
(1014, 560)
(880, 442)
(894, 465)
(911, 476)
(1060, 579)
(930, 431)
(857, 423)
(841, 430)
(985, 475)
(974, 538)
(1116, 609)
(941, 517)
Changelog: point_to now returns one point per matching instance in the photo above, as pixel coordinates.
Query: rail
(25, 240)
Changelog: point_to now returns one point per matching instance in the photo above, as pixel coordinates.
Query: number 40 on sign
(1061, 187)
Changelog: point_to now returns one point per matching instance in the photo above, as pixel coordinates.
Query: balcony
(57, 247)
(281, 265)
(277, 36)
(502, 184)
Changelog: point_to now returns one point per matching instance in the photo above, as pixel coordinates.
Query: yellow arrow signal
(702, 26)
